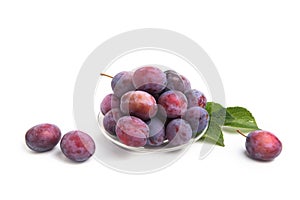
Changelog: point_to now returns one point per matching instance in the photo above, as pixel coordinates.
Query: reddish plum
(262, 145)
(132, 131)
(198, 119)
(139, 103)
(195, 98)
(178, 132)
(150, 79)
(77, 146)
(109, 101)
(42, 137)
(174, 102)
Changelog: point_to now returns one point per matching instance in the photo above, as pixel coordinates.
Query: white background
(254, 44)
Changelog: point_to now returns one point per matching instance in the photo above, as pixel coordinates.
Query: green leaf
(213, 134)
(217, 115)
(239, 117)
(232, 117)
(217, 112)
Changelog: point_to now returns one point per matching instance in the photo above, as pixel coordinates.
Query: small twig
(240, 132)
(106, 75)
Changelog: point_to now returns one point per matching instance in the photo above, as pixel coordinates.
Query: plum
(42, 137)
(77, 146)
(262, 145)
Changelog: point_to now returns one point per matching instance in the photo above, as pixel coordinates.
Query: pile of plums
(149, 107)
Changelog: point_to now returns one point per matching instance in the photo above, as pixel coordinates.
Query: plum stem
(102, 74)
(240, 132)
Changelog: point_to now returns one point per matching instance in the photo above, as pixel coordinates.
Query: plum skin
(198, 118)
(176, 81)
(122, 83)
(139, 103)
(77, 146)
(195, 98)
(156, 132)
(109, 102)
(178, 132)
(132, 131)
(110, 120)
(42, 137)
(263, 145)
(150, 79)
(174, 102)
